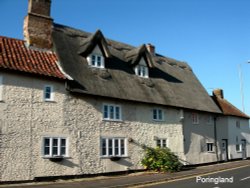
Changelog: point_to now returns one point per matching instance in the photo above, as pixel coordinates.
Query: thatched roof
(170, 82)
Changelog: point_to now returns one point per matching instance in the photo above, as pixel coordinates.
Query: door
(224, 150)
(244, 148)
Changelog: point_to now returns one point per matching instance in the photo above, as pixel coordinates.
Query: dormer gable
(95, 50)
(141, 61)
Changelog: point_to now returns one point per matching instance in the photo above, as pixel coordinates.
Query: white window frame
(141, 71)
(51, 93)
(94, 62)
(160, 142)
(210, 147)
(156, 112)
(238, 150)
(111, 111)
(59, 147)
(195, 118)
(1, 88)
(116, 150)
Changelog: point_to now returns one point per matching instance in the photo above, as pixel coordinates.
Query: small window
(195, 118)
(48, 93)
(210, 120)
(112, 112)
(142, 71)
(238, 124)
(95, 60)
(53, 146)
(113, 147)
(162, 143)
(1, 88)
(157, 114)
(210, 147)
(238, 147)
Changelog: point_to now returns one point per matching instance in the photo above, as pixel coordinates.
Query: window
(238, 124)
(48, 93)
(210, 147)
(1, 88)
(53, 147)
(111, 112)
(195, 118)
(162, 143)
(210, 120)
(238, 147)
(96, 60)
(113, 147)
(142, 71)
(157, 115)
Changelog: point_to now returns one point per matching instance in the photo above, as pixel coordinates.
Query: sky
(212, 36)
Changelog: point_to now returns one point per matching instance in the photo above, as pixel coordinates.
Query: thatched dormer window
(142, 69)
(96, 59)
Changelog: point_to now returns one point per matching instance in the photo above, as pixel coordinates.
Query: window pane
(158, 143)
(116, 147)
(47, 92)
(164, 143)
(110, 146)
(98, 61)
(160, 114)
(104, 148)
(111, 108)
(122, 147)
(117, 112)
(63, 146)
(93, 60)
(46, 146)
(154, 114)
(55, 147)
(105, 114)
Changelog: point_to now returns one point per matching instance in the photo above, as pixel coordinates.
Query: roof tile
(15, 55)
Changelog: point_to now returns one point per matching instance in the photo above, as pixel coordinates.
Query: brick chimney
(151, 48)
(37, 28)
(218, 93)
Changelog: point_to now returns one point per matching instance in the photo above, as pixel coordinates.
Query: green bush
(161, 159)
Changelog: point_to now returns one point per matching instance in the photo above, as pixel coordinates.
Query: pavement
(133, 179)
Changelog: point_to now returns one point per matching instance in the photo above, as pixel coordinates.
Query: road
(235, 178)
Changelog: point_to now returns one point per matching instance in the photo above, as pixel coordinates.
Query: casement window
(238, 147)
(96, 60)
(210, 147)
(48, 93)
(162, 143)
(112, 112)
(113, 147)
(55, 146)
(141, 70)
(195, 118)
(238, 124)
(210, 120)
(1, 88)
(157, 114)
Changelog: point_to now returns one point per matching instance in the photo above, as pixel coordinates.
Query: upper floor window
(96, 60)
(112, 112)
(54, 146)
(157, 114)
(113, 147)
(238, 124)
(142, 71)
(162, 143)
(195, 118)
(48, 93)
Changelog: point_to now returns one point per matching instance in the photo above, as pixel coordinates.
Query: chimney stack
(218, 93)
(151, 48)
(38, 24)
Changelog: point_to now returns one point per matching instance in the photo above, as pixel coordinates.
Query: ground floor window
(238, 147)
(54, 146)
(162, 143)
(113, 147)
(210, 147)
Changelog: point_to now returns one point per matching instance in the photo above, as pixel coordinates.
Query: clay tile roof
(14, 55)
(228, 109)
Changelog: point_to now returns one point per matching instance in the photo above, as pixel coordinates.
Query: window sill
(49, 101)
(211, 152)
(239, 151)
(158, 120)
(113, 120)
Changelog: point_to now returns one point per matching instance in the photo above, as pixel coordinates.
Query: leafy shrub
(161, 159)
